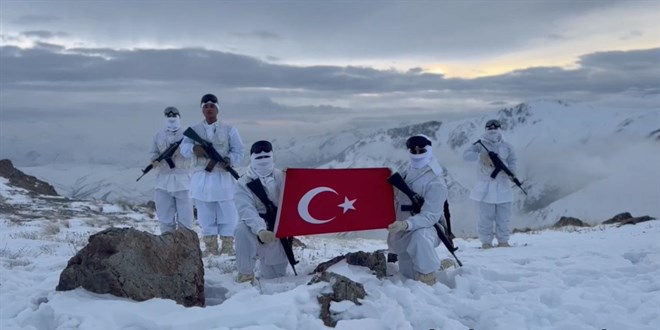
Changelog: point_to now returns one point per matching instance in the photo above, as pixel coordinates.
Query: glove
(397, 226)
(199, 151)
(485, 160)
(266, 236)
(155, 163)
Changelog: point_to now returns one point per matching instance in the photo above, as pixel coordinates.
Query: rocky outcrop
(372, 260)
(19, 179)
(343, 288)
(569, 221)
(126, 262)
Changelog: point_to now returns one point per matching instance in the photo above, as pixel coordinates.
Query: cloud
(44, 34)
(35, 19)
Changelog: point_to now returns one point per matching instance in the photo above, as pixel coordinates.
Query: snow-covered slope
(579, 278)
(583, 160)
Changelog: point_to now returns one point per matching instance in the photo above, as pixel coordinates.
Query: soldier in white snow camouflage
(494, 196)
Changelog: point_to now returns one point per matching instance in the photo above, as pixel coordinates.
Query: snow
(602, 277)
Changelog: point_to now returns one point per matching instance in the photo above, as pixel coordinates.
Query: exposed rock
(19, 179)
(522, 230)
(297, 243)
(618, 218)
(569, 221)
(636, 220)
(126, 262)
(343, 288)
(372, 260)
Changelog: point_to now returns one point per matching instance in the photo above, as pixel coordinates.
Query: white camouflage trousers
(272, 259)
(493, 214)
(217, 218)
(173, 208)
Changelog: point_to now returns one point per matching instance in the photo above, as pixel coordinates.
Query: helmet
(493, 124)
(261, 146)
(419, 141)
(171, 112)
(209, 98)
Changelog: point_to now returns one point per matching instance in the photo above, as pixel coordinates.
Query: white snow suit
(415, 246)
(213, 191)
(494, 197)
(272, 258)
(172, 191)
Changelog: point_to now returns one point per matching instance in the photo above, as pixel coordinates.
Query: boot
(428, 279)
(227, 245)
(211, 244)
(447, 263)
(242, 278)
(486, 246)
(503, 244)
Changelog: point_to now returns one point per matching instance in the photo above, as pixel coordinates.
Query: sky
(602, 277)
(77, 70)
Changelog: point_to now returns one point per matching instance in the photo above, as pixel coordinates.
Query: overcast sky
(94, 68)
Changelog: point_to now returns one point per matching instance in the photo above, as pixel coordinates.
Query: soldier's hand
(226, 162)
(155, 163)
(397, 226)
(485, 160)
(266, 236)
(199, 151)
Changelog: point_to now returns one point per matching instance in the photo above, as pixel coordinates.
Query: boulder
(569, 221)
(126, 262)
(343, 288)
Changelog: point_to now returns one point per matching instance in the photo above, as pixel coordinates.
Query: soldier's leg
(184, 208)
(165, 210)
(206, 217)
(502, 216)
(485, 225)
(246, 250)
(227, 220)
(422, 250)
(406, 267)
(272, 271)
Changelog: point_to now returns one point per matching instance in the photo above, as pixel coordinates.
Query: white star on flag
(347, 204)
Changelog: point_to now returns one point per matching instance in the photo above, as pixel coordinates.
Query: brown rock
(126, 262)
(19, 179)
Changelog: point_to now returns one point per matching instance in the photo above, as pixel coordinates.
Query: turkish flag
(321, 201)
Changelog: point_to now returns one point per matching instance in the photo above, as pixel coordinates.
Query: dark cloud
(48, 66)
(35, 19)
(259, 34)
(44, 34)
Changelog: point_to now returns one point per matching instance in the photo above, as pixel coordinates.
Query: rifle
(417, 200)
(271, 212)
(211, 152)
(165, 155)
(499, 166)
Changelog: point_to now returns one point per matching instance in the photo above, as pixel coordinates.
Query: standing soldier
(492, 192)
(212, 187)
(172, 194)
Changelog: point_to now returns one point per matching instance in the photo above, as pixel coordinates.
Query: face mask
(493, 135)
(172, 123)
(262, 166)
(420, 160)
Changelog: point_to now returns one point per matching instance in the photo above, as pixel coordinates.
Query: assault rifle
(166, 156)
(271, 212)
(417, 200)
(499, 166)
(211, 152)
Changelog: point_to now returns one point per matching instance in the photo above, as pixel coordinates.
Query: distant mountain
(571, 158)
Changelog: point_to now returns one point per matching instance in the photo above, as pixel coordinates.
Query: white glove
(397, 226)
(266, 236)
(155, 163)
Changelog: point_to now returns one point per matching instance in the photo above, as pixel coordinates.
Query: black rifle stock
(499, 166)
(210, 151)
(165, 155)
(271, 212)
(398, 182)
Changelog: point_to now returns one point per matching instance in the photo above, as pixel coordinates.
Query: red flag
(320, 201)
